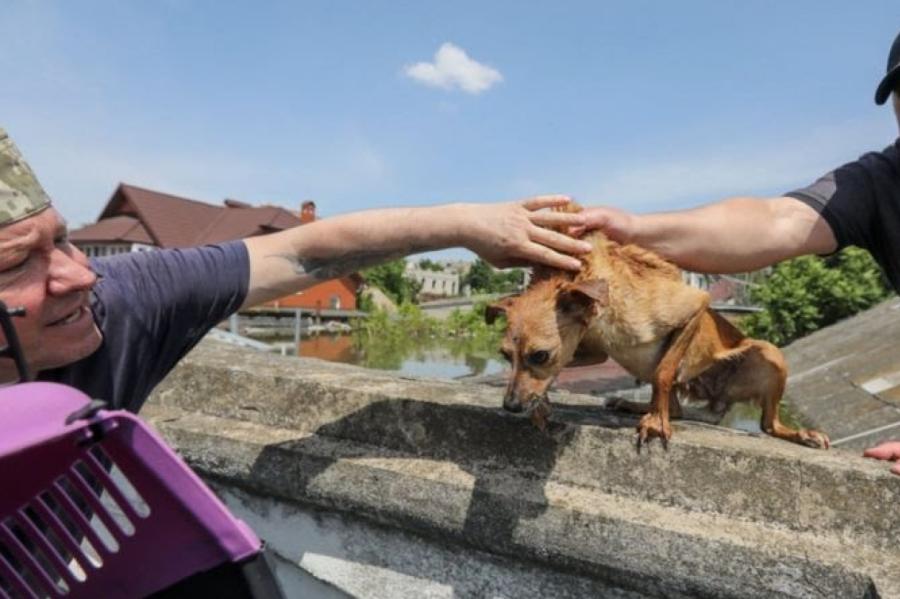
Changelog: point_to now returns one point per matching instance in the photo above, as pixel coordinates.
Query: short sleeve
(846, 199)
(152, 308)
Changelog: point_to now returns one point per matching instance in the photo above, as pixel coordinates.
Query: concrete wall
(368, 485)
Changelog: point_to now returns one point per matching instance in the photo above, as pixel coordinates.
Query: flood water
(435, 358)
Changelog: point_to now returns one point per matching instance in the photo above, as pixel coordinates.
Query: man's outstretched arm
(504, 234)
(738, 234)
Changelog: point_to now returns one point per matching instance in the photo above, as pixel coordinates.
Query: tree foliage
(390, 278)
(426, 264)
(807, 293)
(481, 278)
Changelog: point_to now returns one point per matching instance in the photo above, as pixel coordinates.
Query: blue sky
(638, 104)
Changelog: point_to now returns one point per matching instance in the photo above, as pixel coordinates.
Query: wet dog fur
(630, 304)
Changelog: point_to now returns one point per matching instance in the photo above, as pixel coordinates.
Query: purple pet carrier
(94, 504)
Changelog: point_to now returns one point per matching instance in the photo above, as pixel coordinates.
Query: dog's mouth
(536, 403)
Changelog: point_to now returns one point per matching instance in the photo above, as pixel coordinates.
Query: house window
(335, 302)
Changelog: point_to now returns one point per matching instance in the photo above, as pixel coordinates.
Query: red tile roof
(170, 221)
(126, 229)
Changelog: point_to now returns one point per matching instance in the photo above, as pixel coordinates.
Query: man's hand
(886, 451)
(616, 224)
(514, 233)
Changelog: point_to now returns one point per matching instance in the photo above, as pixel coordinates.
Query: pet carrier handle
(13, 349)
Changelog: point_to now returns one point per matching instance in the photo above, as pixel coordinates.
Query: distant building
(137, 220)
(434, 283)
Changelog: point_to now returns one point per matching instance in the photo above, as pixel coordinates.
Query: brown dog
(630, 304)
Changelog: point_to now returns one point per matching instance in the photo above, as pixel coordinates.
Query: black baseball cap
(892, 78)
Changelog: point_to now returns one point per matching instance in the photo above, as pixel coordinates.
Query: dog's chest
(639, 360)
(637, 349)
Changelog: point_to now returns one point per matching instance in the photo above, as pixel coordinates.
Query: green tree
(481, 278)
(390, 278)
(807, 293)
(426, 264)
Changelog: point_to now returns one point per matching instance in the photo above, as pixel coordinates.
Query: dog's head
(544, 328)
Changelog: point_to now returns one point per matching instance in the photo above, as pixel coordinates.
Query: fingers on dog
(547, 201)
(559, 241)
(544, 255)
(558, 219)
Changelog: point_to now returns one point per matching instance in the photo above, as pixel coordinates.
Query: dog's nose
(512, 405)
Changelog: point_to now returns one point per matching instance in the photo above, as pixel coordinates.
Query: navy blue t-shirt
(152, 308)
(860, 201)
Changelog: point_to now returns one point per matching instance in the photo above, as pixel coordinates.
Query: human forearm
(503, 234)
(734, 235)
(297, 258)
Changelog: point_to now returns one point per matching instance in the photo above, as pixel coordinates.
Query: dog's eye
(538, 358)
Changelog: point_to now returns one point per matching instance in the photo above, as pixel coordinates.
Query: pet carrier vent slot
(61, 551)
(52, 511)
(103, 495)
(50, 565)
(17, 561)
(118, 481)
(91, 518)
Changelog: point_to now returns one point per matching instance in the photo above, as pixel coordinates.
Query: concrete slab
(721, 514)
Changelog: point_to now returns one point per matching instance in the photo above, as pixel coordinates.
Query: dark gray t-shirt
(152, 308)
(861, 203)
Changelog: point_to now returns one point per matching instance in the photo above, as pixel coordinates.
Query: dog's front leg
(655, 423)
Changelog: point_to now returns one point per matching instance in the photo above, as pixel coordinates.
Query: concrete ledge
(721, 514)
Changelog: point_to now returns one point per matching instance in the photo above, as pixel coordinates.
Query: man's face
(44, 273)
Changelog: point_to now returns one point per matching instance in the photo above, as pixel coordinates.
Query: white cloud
(452, 68)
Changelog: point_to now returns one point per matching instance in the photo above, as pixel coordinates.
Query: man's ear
(492, 311)
(584, 297)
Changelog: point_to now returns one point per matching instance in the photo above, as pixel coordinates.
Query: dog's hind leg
(768, 363)
(762, 376)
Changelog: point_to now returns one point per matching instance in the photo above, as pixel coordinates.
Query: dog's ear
(584, 297)
(492, 311)
(596, 289)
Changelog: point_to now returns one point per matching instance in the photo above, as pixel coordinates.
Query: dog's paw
(652, 425)
(814, 439)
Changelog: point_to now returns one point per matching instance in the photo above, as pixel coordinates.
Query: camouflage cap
(21, 195)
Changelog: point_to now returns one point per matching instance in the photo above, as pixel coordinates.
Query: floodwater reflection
(433, 356)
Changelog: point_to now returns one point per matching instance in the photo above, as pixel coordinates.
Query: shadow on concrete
(481, 441)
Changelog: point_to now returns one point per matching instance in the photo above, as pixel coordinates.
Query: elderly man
(114, 327)
(855, 204)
